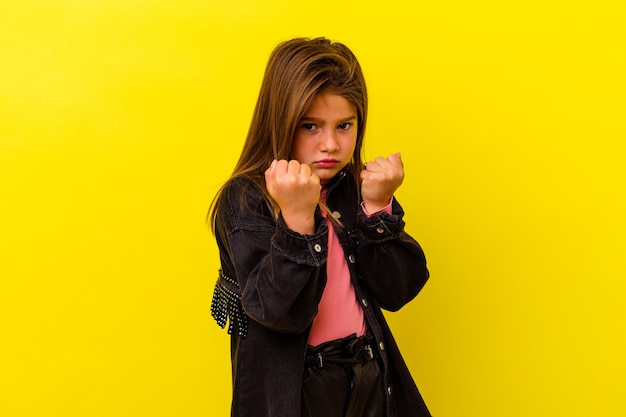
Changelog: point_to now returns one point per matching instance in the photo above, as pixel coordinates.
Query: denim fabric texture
(281, 276)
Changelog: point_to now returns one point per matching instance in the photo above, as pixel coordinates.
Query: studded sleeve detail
(226, 305)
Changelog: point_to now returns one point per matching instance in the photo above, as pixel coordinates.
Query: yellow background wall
(120, 118)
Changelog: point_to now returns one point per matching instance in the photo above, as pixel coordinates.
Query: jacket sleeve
(391, 263)
(281, 273)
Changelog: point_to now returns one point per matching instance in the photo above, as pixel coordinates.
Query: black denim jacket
(272, 280)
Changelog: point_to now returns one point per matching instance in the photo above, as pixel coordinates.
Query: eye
(344, 126)
(308, 126)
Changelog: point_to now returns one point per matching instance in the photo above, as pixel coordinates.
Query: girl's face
(326, 135)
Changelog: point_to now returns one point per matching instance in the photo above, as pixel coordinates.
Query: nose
(329, 141)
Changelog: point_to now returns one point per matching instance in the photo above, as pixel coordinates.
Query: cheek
(350, 143)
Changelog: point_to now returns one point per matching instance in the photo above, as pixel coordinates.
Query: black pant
(342, 379)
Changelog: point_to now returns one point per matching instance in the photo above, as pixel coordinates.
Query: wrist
(371, 207)
(302, 224)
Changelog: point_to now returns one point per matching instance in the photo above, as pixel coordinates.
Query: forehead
(328, 105)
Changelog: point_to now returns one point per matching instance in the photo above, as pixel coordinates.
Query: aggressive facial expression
(326, 135)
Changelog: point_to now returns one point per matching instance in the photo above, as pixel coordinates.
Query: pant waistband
(348, 351)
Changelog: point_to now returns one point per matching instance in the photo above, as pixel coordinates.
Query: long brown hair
(297, 70)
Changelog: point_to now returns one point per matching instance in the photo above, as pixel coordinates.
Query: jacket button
(336, 215)
(389, 390)
(364, 302)
(351, 259)
(381, 345)
(380, 230)
(317, 247)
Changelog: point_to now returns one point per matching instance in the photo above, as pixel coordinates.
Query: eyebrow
(316, 119)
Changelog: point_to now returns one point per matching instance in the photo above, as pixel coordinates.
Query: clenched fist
(296, 190)
(379, 181)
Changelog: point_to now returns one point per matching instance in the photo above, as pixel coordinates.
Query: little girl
(312, 247)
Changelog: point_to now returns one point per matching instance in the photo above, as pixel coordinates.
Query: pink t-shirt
(339, 312)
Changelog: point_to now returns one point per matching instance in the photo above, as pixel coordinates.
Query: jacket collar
(341, 175)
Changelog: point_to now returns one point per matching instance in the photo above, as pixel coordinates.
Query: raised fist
(380, 180)
(296, 190)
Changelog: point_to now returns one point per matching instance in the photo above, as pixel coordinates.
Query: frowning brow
(318, 120)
